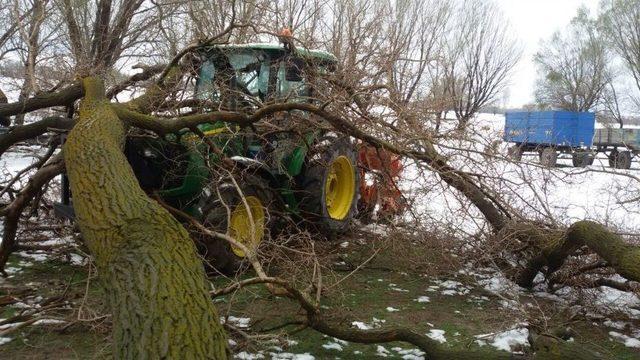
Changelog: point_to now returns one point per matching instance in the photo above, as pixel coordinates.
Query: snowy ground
(564, 194)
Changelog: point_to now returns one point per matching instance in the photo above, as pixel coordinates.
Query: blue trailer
(550, 133)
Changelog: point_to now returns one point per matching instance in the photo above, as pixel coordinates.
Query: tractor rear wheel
(330, 186)
(239, 213)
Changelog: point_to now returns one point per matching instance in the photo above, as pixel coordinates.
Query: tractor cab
(243, 77)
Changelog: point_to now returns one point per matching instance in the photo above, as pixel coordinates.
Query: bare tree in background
(621, 22)
(14, 15)
(480, 57)
(573, 67)
(31, 40)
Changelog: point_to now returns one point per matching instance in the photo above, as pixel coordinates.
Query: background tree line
(592, 64)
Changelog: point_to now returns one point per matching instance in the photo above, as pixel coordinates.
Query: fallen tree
(145, 257)
(557, 246)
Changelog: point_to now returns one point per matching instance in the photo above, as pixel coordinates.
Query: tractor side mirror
(295, 66)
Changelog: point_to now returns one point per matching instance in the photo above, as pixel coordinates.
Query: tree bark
(41, 101)
(4, 120)
(148, 264)
(623, 257)
(30, 131)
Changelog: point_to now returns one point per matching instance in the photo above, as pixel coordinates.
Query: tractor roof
(319, 54)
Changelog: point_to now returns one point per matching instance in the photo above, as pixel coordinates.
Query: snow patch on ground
(423, 299)
(12, 270)
(236, 321)
(248, 356)
(626, 340)
(620, 325)
(377, 229)
(332, 346)
(290, 356)
(78, 260)
(375, 323)
(382, 351)
(508, 340)
(615, 299)
(498, 283)
(4, 340)
(437, 335)
(49, 322)
(35, 255)
(449, 287)
(244, 355)
(395, 287)
(409, 354)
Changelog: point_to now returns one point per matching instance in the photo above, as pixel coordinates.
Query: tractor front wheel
(241, 214)
(330, 186)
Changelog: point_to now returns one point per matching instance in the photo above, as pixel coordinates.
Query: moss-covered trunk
(622, 256)
(145, 258)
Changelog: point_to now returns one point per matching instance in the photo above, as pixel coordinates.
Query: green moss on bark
(622, 256)
(155, 281)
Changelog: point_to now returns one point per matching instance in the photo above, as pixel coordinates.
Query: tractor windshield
(233, 79)
(244, 78)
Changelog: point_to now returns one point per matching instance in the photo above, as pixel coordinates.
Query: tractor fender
(261, 168)
(282, 196)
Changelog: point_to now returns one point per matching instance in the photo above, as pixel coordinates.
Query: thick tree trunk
(145, 258)
(623, 257)
(4, 120)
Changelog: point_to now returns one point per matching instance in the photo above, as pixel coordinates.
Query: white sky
(533, 21)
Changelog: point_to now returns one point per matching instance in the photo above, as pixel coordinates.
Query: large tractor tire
(330, 186)
(620, 160)
(243, 216)
(548, 157)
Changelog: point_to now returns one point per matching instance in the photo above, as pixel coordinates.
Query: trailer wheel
(548, 157)
(582, 159)
(515, 153)
(613, 155)
(620, 160)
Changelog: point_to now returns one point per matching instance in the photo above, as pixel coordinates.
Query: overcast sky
(533, 21)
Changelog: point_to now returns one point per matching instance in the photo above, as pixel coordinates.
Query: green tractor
(289, 167)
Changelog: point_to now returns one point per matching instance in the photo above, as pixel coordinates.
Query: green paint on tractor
(259, 73)
(289, 163)
(238, 78)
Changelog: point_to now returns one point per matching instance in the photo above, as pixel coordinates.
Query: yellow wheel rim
(340, 187)
(247, 227)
